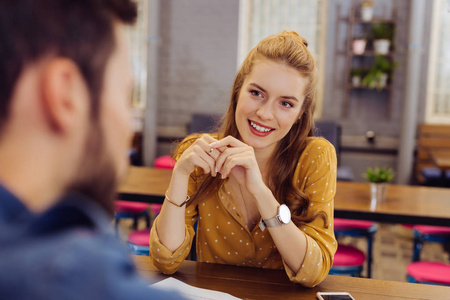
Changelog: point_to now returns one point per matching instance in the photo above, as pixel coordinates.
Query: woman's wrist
(262, 193)
(179, 173)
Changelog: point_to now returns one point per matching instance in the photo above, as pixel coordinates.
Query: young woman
(262, 188)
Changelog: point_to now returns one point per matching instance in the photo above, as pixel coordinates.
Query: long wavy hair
(288, 48)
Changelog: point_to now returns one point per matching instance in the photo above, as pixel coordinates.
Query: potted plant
(359, 46)
(379, 179)
(379, 73)
(367, 11)
(382, 34)
(356, 75)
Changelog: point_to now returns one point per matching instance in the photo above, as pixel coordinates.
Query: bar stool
(429, 273)
(425, 271)
(129, 209)
(357, 228)
(164, 162)
(139, 241)
(348, 260)
(426, 233)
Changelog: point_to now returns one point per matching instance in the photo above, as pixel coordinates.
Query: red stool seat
(121, 206)
(164, 162)
(348, 256)
(140, 237)
(426, 229)
(430, 272)
(351, 224)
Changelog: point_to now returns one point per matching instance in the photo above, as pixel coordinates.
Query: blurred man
(65, 86)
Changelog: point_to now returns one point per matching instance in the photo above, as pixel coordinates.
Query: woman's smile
(259, 129)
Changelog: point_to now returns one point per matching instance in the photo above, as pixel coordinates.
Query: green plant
(381, 65)
(382, 31)
(356, 72)
(379, 175)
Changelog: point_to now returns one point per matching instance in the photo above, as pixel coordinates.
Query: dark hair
(288, 48)
(81, 30)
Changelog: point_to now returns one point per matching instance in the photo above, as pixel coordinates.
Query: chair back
(331, 131)
(204, 123)
(431, 138)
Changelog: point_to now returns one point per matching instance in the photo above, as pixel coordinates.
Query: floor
(392, 250)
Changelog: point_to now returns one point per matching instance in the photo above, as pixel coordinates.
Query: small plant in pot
(356, 75)
(379, 73)
(359, 46)
(383, 35)
(379, 179)
(367, 11)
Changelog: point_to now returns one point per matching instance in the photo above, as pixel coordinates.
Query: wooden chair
(431, 138)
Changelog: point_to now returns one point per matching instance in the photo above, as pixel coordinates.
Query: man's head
(64, 73)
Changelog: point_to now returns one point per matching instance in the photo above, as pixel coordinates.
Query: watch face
(285, 214)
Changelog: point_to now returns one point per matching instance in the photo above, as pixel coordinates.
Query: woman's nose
(265, 111)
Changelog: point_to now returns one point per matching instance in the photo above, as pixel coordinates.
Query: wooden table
(441, 159)
(145, 185)
(403, 204)
(257, 283)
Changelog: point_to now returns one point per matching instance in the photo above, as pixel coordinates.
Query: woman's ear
(63, 90)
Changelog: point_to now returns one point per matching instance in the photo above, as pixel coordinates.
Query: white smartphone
(334, 296)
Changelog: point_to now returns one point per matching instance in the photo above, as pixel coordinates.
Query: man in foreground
(65, 85)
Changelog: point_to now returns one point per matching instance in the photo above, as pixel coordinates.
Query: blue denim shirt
(69, 252)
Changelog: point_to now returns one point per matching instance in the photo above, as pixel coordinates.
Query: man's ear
(63, 88)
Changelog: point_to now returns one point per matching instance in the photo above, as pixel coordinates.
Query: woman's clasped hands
(228, 156)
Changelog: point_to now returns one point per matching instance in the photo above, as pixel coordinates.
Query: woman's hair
(290, 49)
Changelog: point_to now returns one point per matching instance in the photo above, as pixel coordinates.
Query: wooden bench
(432, 138)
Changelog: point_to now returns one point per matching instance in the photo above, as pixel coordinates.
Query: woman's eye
(255, 93)
(286, 104)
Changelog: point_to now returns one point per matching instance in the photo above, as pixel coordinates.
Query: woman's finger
(208, 139)
(209, 160)
(227, 141)
(233, 161)
(225, 154)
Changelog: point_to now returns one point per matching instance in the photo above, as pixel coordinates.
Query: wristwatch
(283, 217)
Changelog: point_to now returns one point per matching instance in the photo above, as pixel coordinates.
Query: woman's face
(269, 103)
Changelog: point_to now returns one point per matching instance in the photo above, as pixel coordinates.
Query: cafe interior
(382, 100)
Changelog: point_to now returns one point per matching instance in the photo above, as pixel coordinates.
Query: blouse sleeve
(316, 176)
(165, 260)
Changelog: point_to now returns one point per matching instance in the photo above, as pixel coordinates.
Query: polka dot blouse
(223, 237)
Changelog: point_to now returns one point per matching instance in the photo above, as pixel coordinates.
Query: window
(438, 92)
(261, 18)
(137, 35)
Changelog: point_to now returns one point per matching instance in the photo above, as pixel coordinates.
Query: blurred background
(185, 55)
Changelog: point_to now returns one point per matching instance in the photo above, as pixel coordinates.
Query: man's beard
(97, 174)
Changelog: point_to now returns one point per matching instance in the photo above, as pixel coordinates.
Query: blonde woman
(262, 188)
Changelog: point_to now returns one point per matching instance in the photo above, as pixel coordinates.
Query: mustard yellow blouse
(223, 237)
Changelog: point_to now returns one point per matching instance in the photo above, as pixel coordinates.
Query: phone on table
(334, 296)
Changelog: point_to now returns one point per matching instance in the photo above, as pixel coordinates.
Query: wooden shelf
(373, 21)
(367, 53)
(354, 22)
(385, 89)
(371, 53)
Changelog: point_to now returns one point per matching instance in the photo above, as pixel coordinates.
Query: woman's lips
(263, 130)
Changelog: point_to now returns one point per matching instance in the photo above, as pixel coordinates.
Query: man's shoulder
(69, 252)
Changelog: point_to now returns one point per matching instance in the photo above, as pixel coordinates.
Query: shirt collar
(11, 208)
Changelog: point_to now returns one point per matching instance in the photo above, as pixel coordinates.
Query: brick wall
(197, 59)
